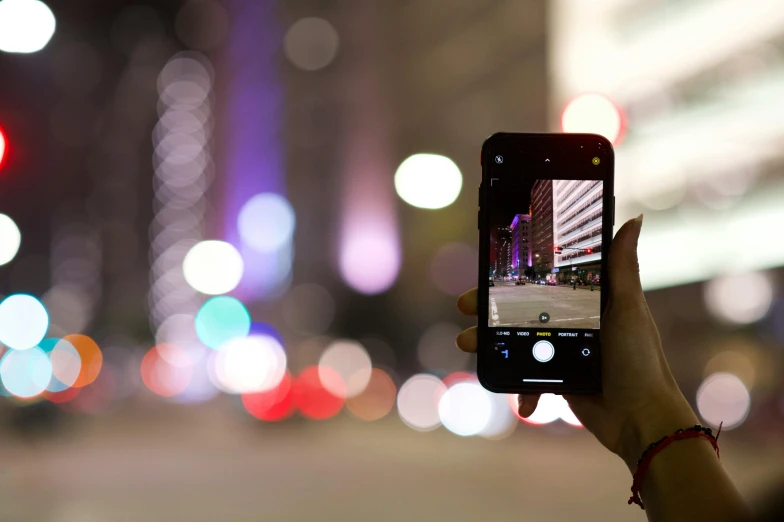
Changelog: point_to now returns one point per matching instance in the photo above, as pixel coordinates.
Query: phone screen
(545, 211)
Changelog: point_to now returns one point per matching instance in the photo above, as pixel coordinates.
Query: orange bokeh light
(378, 398)
(92, 358)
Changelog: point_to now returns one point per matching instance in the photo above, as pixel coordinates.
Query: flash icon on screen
(596, 161)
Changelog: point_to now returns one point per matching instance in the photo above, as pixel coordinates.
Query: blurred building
(699, 151)
(577, 226)
(521, 243)
(542, 227)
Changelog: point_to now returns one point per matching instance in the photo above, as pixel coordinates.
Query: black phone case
(608, 221)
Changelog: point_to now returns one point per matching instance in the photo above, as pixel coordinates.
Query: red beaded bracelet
(658, 446)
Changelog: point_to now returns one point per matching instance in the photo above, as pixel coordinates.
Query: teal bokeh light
(222, 319)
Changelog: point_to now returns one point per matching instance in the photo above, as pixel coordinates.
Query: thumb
(624, 269)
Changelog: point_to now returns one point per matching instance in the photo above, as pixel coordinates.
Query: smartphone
(546, 212)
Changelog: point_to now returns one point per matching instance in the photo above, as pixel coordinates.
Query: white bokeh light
(266, 222)
(10, 236)
(26, 26)
(502, 421)
(465, 409)
(739, 298)
(66, 365)
(351, 361)
(213, 267)
(311, 43)
(550, 408)
(723, 398)
(23, 321)
(250, 364)
(428, 181)
(25, 373)
(418, 401)
(593, 113)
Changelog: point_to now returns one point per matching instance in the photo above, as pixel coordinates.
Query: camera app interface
(545, 253)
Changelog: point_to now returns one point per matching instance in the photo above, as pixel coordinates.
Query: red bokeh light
(3, 146)
(63, 396)
(162, 377)
(456, 377)
(594, 113)
(272, 405)
(312, 398)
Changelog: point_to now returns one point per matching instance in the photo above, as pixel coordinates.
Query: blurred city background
(232, 234)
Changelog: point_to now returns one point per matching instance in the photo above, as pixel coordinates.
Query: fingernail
(459, 338)
(632, 238)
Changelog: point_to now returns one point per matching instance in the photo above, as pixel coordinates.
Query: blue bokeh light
(26, 373)
(222, 319)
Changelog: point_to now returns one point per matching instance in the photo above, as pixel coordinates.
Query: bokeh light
(428, 181)
(454, 268)
(66, 364)
(376, 400)
(10, 236)
(23, 321)
(26, 26)
(222, 319)
(740, 298)
(3, 146)
(596, 114)
(180, 330)
(69, 307)
(722, 397)
(25, 373)
(418, 402)
(249, 364)
(213, 267)
(351, 361)
(90, 355)
(436, 348)
(311, 43)
(370, 259)
(502, 421)
(734, 362)
(312, 398)
(160, 376)
(266, 222)
(550, 408)
(273, 405)
(465, 409)
(308, 309)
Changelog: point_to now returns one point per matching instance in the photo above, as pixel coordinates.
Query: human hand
(640, 401)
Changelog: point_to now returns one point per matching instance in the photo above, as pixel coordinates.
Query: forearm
(686, 480)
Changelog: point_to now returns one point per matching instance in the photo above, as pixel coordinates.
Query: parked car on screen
(520, 281)
(552, 282)
(491, 283)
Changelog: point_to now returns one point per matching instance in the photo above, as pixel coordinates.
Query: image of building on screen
(500, 252)
(521, 245)
(577, 229)
(542, 228)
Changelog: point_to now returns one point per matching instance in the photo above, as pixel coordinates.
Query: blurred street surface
(207, 464)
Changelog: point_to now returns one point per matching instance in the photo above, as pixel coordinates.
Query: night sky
(508, 197)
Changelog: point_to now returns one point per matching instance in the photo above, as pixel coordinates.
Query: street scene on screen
(545, 254)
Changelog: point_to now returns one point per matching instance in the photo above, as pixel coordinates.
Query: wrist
(651, 424)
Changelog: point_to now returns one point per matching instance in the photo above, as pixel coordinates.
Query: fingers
(526, 404)
(624, 268)
(467, 340)
(467, 302)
